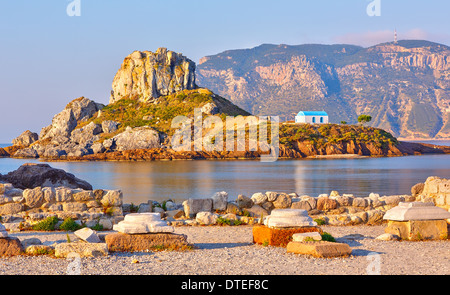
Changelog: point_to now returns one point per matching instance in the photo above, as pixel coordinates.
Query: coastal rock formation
(32, 175)
(147, 75)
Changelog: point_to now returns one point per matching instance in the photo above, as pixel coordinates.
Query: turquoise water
(179, 180)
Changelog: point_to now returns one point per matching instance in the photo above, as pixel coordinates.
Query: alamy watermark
(250, 133)
(374, 8)
(74, 267)
(74, 8)
(374, 267)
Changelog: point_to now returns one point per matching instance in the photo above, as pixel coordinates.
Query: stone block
(83, 249)
(259, 198)
(220, 200)
(282, 201)
(416, 211)
(326, 203)
(119, 242)
(11, 208)
(418, 229)
(10, 246)
(83, 196)
(301, 237)
(193, 206)
(206, 218)
(279, 236)
(34, 198)
(244, 201)
(88, 235)
(320, 249)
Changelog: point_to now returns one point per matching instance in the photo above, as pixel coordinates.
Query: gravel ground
(229, 251)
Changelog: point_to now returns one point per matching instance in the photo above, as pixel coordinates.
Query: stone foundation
(119, 242)
(319, 249)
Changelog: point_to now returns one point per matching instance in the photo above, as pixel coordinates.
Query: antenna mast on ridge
(395, 36)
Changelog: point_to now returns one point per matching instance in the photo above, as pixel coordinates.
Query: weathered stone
(25, 139)
(259, 198)
(325, 204)
(137, 138)
(271, 196)
(220, 200)
(360, 202)
(33, 197)
(83, 196)
(193, 206)
(374, 216)
(3, 232)
(10, 246)
(74, 207)
(244, 202)
(82, 249)
(393, 200)
(418, 229)
(11, 208)
(206, 218)
(319, 249)
(257, 211)
(119, 242)
(105, 223)
(88, 235)
(112, 198)
(32, 175)
(416, 211)
(344, 200)
(149, 75)
(282, 201)
(109, 126)
(233, 208)
(417, 189)
(304, 205)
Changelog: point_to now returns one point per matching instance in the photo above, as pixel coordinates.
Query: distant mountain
(405, 87)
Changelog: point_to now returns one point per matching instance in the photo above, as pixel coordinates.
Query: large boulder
(137, 138)
(25, 139)
(32, 175)
(147, 75)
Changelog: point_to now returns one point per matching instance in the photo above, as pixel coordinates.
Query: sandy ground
(229, 251)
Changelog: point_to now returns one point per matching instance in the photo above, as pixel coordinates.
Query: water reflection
(179, 180)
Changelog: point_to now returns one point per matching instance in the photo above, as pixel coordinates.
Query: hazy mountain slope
(405, 87)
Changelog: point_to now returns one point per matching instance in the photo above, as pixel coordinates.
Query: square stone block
(320, 249)
(119, 242)
(279, 236)
(418, 229)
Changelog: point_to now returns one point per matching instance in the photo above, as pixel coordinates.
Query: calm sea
(179, 180)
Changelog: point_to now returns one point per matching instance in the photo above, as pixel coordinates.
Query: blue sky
(48, 58)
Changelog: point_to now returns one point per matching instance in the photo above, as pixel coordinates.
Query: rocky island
(149, 91)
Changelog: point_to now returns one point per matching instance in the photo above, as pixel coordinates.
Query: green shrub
(327, 237)
(319, 221)
(69, 225)
(97, 227)
(47, 224)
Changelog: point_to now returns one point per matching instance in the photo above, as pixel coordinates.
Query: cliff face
(149, 75)
(405, 87)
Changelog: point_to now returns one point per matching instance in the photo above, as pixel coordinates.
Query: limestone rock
(244, 201)
(10, 246)
(82, 249)
(137, 138)
(220, 200)
(147, 75)
(193, 206)
(38, 249)
(88, 235)
(119, 242)
(322, 249)
(3, 232)
(33, 197)
(206, 218)
(11, 208)
(31, 241)
(301, 237)
(387, 237)
(25, 139)
(109, 126)
(32, 175)
(259, 198)
(282, 201)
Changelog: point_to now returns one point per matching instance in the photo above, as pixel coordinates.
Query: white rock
(259, 198)
(88, 235)
(141, 223)
(388, 237)
(206, 218)
(3, 232)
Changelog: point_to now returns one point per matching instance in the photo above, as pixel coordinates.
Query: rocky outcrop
(147, 75)
(30, 176)
(136, 138)
(25, 139)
